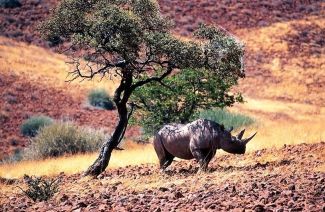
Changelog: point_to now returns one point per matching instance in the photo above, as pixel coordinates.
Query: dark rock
(259, 208)
(163, 189)
(292, 187)
(178, 195)
(157, 210)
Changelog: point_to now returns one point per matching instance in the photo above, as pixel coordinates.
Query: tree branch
(155, 78)
(76, 73)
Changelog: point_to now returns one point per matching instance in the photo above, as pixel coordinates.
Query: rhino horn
(240, 135)
(246, 140)
(231, 128)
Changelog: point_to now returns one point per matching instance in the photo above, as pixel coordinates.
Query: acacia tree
(130, 39)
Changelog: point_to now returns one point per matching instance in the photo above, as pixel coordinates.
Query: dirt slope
(291, 178)
(32, 82)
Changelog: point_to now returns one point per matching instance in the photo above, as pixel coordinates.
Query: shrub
(39, 188)
(226, 118)
(100, 98)
(63, 138)
(31, 126)
(13, 158)
(10, 3)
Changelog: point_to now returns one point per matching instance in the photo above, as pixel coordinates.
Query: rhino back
(204, 134)
(176, 140)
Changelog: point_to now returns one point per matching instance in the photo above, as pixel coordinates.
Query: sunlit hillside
(33, 82)
(283, 168)
(285, 61)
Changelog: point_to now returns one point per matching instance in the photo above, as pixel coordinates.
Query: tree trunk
(102, 161)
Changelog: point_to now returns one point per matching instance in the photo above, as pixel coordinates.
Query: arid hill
(32, 82)
(283, 170)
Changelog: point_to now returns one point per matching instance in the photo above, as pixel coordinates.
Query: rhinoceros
(199, 139)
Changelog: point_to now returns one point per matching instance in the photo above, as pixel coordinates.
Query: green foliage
(63, 138)
(39, 189)
(181, 97)
(126, 29)
(227, 118)
(31, 126)
(100, 98)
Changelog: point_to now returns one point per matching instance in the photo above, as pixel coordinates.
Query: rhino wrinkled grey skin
(199, 139)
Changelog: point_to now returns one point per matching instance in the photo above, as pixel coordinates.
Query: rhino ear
(231, 128)
(222, 127)
(240, 135)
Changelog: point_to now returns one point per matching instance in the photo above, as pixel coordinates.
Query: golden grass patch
(44, 67)
(135, 155)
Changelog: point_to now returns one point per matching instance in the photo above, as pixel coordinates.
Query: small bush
(63, 138)
(9, 3)
(40, 189)
(13, 158)
(100, 98)
(31, 126)
(227, 118)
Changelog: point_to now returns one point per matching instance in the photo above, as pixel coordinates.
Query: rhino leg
(203, 156)
(165, 158)
(209, 155)
(166, 162)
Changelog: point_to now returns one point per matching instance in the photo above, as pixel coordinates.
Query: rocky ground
(288, 179)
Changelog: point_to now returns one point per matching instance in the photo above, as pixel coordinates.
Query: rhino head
(235, 144)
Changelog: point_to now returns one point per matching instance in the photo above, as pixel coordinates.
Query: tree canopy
(181, 98)
(131, 40)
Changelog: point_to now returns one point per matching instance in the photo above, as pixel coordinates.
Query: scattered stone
(178, 195)
(163, 189)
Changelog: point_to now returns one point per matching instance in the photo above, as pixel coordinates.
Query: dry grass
(133, 155)
(282, 123)
(293, 76)
(43, 67)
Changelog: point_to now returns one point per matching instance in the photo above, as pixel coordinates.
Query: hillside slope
(284, 168)
(32, 82)
(292, 178)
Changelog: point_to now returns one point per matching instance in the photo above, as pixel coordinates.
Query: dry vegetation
(33, 82)
(284, 90)
(78, 163)
(284, 64)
